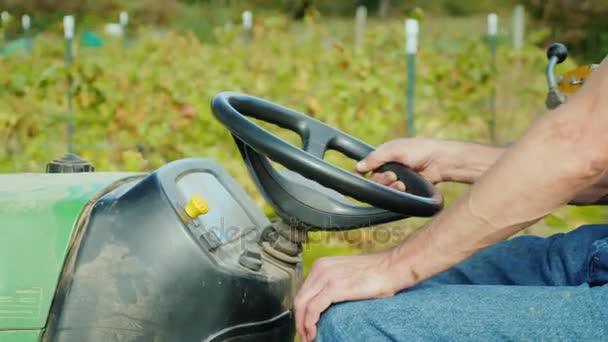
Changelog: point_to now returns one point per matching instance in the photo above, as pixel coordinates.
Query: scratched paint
(37, 217)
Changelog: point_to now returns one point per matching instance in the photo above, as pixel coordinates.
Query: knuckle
(398, 156)
(321, 263)
(332, 283)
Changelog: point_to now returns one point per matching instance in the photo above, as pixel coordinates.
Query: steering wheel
(307, 200)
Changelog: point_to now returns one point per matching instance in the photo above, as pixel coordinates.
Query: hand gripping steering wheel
(302, 200)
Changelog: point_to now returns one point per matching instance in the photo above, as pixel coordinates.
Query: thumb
(373, 161)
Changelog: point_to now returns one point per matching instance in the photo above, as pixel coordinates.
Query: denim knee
(334, 321)
(597, 263)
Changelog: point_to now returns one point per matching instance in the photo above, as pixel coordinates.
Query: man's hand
(343, 278)
(435, 160)
(337, 279)
(563, 153)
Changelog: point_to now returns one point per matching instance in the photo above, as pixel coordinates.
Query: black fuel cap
(70, 163)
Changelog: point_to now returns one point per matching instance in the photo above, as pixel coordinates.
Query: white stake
(411, 48)
(360, 20)
(247, 20)
(519, 18)
(25, 22)
(68, 26)
(492, 24)
(124, 18)
(247, 17)
(411, 36)
(492, 33)
(5, 17)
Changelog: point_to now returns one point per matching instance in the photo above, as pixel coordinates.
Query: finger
(398, 185)
(317, 305)
(384, 178)
(333, 292)
(373, 160)
(311, 287)
(301, 303)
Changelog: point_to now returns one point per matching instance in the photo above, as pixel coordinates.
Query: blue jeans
(524, 289)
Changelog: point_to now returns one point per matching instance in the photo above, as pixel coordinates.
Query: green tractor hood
(38, 214)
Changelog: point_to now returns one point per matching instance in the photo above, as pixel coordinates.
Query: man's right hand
(435, 160)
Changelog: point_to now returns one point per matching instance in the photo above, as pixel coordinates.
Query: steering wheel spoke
(317, 141)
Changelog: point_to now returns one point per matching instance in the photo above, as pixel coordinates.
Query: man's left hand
(342, 278)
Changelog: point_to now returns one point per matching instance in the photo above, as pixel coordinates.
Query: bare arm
(473, 160)
(561, 154)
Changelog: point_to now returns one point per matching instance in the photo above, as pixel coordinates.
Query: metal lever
(556, 53)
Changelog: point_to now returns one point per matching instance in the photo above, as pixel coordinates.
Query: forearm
(562, 153)
(473, 160)
(470, 161)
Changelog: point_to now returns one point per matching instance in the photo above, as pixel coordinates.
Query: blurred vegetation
(579, 23)
(582, 25)
(143, 105)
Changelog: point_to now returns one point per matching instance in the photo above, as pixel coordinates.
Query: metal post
(68, 28)
(492, 33)
(411, 48)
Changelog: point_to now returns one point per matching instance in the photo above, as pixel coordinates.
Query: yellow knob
(196, 207)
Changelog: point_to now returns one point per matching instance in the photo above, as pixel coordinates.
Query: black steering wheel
(301, 199)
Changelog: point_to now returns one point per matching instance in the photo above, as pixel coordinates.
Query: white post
(68, 30)
(25, 22)
(68, 27)
(492, 33)
(5, 17)
(492, 24)
(411, 36)
(519, 18)
(411, 48)
(360, 20)
(124, 19)
(247, 17)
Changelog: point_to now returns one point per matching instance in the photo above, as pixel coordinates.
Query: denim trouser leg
(527, 288)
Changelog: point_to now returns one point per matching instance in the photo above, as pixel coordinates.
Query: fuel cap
(70, 163)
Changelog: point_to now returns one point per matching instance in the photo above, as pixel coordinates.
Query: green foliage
(583, 27)
(138, 108)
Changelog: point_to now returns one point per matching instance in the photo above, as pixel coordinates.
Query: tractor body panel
(37, 214)
(20, 335)
(142, 268)
(120, 257)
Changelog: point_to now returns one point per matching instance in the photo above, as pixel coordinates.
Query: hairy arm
(473, 160)
(563, 153)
